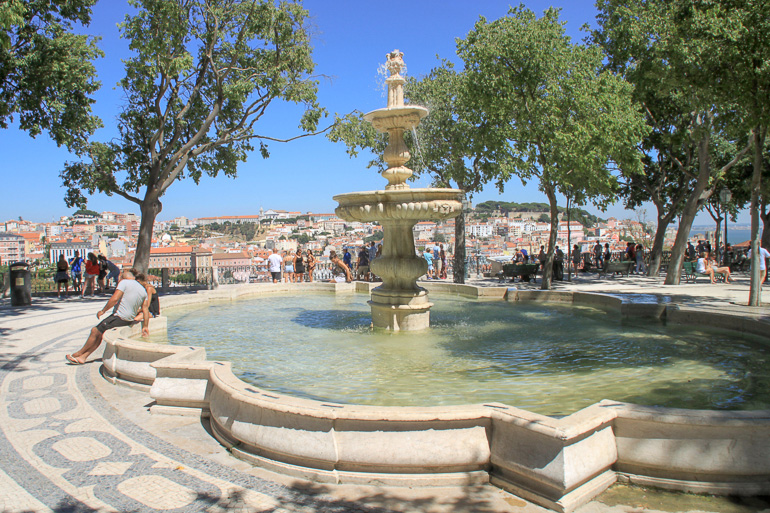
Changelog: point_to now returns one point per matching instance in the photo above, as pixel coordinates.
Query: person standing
(630, 253)
(598, 261)
(274, 263)
(310, 260)
(346, 259)
(372, 256)
(428, 256)
(128, 299)
(728, 256)
(113, 272)
(76, 271)
(362, 265)
(575, 258)
(607, 252)
(299, 267)
(288, 267)
(541, 257)
(61, 276)
(437, 263)
(558, 264)
(92, 272)
(691, 255)
(442, 258)
(763, 256)
(639, 259)
(102, 271)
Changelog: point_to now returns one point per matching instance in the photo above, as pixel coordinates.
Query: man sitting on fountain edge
(129, 297)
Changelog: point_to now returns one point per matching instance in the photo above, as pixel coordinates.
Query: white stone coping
(559, 463)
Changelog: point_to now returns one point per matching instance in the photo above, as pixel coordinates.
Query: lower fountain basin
(559, 463)
(551, 358)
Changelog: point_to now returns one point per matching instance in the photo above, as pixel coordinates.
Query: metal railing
(180, 278)
(260, 274)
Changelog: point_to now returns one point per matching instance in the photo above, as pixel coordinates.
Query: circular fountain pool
(551, 359)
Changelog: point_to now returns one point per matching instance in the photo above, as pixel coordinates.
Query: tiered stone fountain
(399, 304)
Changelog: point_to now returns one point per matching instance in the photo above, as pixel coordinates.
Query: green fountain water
(551, 359)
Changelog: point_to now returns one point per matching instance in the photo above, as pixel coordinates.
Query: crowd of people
(92, 273)
(299, 266)
(598, 257)
(436, 258)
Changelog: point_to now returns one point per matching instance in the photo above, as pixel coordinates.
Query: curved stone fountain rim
(669, 311)
(559, 463)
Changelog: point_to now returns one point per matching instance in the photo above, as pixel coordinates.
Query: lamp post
(724, 197)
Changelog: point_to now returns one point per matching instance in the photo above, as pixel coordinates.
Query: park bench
(525, 271)
(689, 269)
(624, 267)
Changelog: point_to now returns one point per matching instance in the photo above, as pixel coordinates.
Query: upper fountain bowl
(406, 118)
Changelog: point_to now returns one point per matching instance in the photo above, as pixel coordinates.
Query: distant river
(738, 236)
(734, 235)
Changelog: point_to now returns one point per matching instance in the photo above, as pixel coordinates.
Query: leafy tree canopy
(85, 212)
(203, 73)
(46, 72)
(241, 231)
(302, 238)
(567, 122)
(376, 236)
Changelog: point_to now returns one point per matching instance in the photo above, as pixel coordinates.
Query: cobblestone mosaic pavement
(63, 448)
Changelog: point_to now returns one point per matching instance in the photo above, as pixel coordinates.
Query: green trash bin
(21, 284)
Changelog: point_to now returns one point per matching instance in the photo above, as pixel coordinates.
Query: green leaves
(46, 72)
(562, 118)
(202, 75)
(358, 135)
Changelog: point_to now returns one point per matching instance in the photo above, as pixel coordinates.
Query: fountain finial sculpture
(399, 304)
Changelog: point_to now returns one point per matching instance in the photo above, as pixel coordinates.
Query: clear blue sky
(350, 40)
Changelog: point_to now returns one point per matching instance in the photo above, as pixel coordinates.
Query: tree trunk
(656, 253)
(458, 274)
(755, 290)
(150, 209)
(694, 202)
(545, 283)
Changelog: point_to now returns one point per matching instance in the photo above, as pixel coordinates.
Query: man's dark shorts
(113, 321)
(276, 275)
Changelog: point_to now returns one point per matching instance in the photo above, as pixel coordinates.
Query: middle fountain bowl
(399, 304)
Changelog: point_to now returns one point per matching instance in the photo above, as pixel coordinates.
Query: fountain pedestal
(398, 304)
